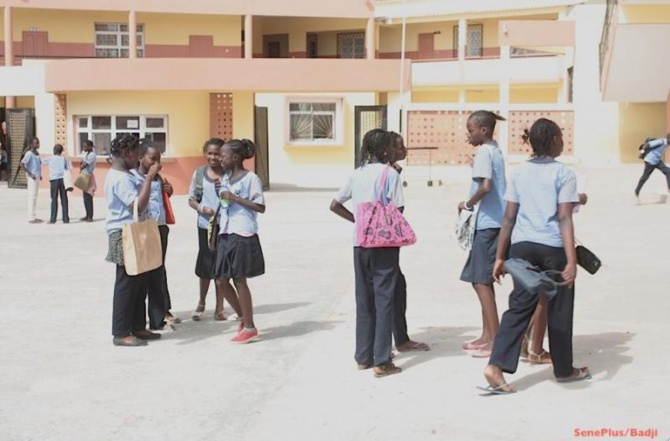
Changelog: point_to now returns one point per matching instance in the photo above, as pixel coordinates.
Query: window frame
(338, 123)
(119, 47)
(470, 26)
(142, 130)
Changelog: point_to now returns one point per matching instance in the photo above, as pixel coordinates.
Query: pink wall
(316, 75)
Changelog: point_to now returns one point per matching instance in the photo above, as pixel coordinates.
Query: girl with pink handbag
(375, 190)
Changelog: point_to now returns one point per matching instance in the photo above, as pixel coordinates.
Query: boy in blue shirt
(32, 165)
(652, 152)
(58, 166)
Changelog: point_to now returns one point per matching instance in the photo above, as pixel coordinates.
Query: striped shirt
(489, 164)
(538, 186)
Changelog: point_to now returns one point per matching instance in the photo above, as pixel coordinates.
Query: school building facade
(307, 79)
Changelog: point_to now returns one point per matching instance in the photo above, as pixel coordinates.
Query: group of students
(58, 166)
(227, 198)
(529, 218)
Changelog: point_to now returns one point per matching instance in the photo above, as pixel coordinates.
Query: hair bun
(525, 136)
(249, 148)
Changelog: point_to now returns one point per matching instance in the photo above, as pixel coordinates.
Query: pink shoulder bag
(380, 224)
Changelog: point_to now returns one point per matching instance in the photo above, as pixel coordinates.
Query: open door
(366, 118)
(262, 145)
(20, 130)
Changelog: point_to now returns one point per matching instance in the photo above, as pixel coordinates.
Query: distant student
(239, 254)
(402, 341)
(58, 166)
(122, 188)
(488, 190)
(541, 197)
(204, 198)
(4, 161)
(160, 317)
(88, 166)
(652, 152)
(376, 270)
(32, 165)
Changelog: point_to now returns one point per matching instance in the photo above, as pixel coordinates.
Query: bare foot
(494, 377)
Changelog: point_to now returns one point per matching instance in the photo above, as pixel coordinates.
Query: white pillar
(503, 129)
(248, 36)
(462, 40)
(45, 115)
(132, 34)
(370, 44)
(10, 101)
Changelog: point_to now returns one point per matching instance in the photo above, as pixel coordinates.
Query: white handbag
(465, 227)
(67, 176)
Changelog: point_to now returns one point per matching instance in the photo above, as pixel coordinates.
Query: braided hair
(213, 141)
(123, 142)
(486, 118)
(541, 136)
(243, 148)
(374, 146)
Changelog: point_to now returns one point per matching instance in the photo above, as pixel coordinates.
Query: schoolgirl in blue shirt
(541, 197)
(122, 188)
(160, 304)
(239, 254)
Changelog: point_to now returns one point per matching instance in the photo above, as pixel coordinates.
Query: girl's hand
(207, 210)
(461, 206)
(227, 195)
(155, 168)
(498, 270)
(167, 187)
(569, 273)
(583, 198)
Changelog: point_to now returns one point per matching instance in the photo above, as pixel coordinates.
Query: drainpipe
(402, 60)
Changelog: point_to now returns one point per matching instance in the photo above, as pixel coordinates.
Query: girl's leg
(123, 306)
(246, 303)
(490, 323)
(365, 308)
(648, 170)
(54, 201)
(64, 202)
(539, 322)
(224, 290)
(385, 269)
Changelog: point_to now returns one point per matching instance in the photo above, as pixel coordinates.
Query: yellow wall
(637, 122)
(78, 26)
(297, 28)
(243, 115)
(176, 29)
(524, 94)
(188, 113)
(645, 14)
(63, 26)
(435, 96)
(482, 96)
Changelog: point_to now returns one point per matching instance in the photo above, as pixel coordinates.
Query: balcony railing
(605, 38)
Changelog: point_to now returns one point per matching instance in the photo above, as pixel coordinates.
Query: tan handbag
(83, 181)
(142, 250)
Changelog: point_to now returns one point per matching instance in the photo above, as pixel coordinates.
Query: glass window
(112, 40)
(102, 129)
(313, 121)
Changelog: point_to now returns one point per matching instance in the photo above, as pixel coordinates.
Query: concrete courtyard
(61, 378)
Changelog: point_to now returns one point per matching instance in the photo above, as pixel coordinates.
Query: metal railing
(605, 38)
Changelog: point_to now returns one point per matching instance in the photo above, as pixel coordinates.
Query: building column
(462, 40)
(248, 36)
(503, 129)
(10, 101)
(132, 34)
(370, 34)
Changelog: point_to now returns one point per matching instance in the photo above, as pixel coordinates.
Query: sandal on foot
(172, 319)
(221, 316)
(481, 353)
(471, 346)
(497, 390)
(364, 366)
(543, 357)
(582, 374)
(385, 370)
(197, 315)
(412, 346)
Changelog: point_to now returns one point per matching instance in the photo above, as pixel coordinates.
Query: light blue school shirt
(538, 186)
(57, 166)
(121, 190)
(33, 163)
(236, 219)
(210, 197)
(658, 146)
(89, 161)
(489, 164)
(155, 208)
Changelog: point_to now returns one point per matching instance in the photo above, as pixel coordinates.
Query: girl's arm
(341, 211)
(485, 186)
(568, 235)
(232, 197)
(508, 222)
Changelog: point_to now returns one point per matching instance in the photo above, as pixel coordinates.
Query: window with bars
(314, 121)
(102, 129)
(351, 45)
(474, 42)
(312, 45)
(112, 40)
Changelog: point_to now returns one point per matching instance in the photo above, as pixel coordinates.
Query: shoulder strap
(199, 178)
(381, 188)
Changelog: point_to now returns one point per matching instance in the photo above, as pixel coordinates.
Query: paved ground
(61, 378)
